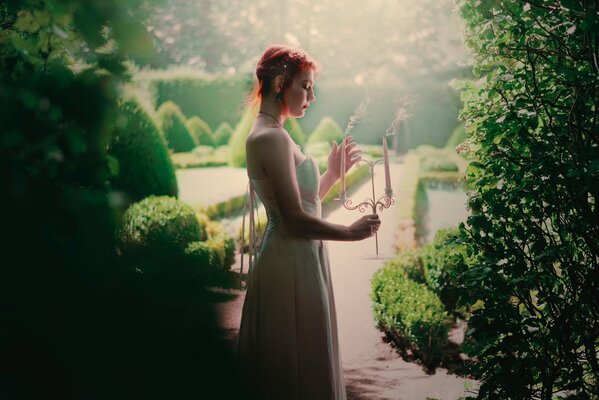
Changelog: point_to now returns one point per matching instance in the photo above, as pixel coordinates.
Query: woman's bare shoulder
(268, 137)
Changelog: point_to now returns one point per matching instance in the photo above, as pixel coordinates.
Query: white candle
(342, 176)
(386, 159)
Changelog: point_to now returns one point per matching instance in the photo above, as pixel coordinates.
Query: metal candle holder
(382, 202)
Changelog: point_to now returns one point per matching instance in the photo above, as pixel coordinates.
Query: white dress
(288, 343)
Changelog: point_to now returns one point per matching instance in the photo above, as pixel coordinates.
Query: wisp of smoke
(357, 116)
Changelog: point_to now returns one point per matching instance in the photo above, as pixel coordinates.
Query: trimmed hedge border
(410, 314)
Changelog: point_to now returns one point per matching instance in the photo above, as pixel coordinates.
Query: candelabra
(385, 201)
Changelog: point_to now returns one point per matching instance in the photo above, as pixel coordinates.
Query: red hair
(279, 60)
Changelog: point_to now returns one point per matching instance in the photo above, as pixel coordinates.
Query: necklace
(273, 117)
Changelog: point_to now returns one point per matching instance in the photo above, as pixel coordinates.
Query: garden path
(373, 370)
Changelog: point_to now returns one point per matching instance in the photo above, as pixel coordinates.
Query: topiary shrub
(156, 229)
(327, 130)
(410, 314)
(410, 262)
(200, 130)
(441, 260)
(240, 134)
(318, 149)
(172, 122)
(223, 134)
(145, 168)
(295, 131)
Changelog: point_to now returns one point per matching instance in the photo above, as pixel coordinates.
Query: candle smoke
(357, 116)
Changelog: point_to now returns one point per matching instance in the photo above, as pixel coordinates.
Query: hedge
(223, 134)
(327, 131)
(411, 314)
(172, 122)
(200, 130)
(144, 165)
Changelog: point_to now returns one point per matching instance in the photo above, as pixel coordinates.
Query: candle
(342, 176)
(387, 174)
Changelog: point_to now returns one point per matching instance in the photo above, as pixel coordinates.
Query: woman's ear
(278, 83)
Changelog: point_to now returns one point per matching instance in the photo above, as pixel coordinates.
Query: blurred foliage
(240, 134)
(295, 131)
(327, 131)
(76, 323)
(138, 145)
(381, 40)
(214, 98)
(223, 134)
(433, 159)
(200, 130)
(172, 123)
(531, 239)
(202, 156)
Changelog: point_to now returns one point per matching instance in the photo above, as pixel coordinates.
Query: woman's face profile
(300, 94)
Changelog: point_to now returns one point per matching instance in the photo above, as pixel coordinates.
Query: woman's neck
(275, 110)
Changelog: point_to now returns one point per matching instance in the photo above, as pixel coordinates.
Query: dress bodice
(308, 180)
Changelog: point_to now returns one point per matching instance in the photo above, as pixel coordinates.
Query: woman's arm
(273, 151)
(332, 174)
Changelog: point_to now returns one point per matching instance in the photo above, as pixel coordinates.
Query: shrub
(441, 260)
(223, 134)
(172, 122)
(200, 130)
(157, 228)
(410, 262)
(411, 314)
(217, 254)
(295, 131)
(144, 165)
(318, 149)
(433, 159)
(240, 134)
(327, 131)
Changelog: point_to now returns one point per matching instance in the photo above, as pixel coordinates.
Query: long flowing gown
(288, 343)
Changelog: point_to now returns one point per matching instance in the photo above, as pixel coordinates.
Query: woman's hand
(335, 157)
(365, 227)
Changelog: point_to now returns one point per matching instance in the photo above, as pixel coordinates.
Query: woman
(288, 344)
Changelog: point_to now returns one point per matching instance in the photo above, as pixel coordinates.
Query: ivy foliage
(531, 118)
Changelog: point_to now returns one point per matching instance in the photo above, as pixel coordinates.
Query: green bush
(411, 314)
(157, 228)
(531, 238)
(217, 254)
(240, 134)
(318, 149)
(441, 260)
(295, 131)
(172, 122)
(200, 130)
(433, 159)
(144, 165)
(410, 262)
(327, 131)
(223, 134)
(214, 98)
